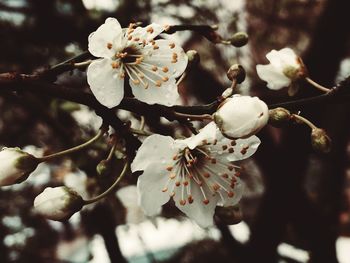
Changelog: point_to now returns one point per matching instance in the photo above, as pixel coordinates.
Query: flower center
(198, 168)
(129, 54)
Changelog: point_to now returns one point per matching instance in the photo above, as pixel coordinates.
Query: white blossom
(15, 166)
(58, 203)
(151, 65)
(196, 172)
(241, 116)
(285, 67)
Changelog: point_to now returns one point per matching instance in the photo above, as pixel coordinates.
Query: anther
(190, 199)
(206, 175)
(169, 168)
(225, 175)
(136, 81)
(155, 47)
(206, 201)
(177, 183)
(150, 30)
(231, 150)
(109, 45)
(182, 202)
(213, 161)
(233, 143)
(158, 83)
(165, 189)
(172, 45)
(136, 39)
(230, 194)
(172, 176)
(224, 147)
(165, 69)
(154, 68)
(165, 79)
(230, 167)
(185, 183)
(216, 187)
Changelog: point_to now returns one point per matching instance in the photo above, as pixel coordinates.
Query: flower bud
(193, 57)
(15, 166)
(229, 215)
(58, 203)
(320, 141)
(241, 116)
(279, 117)
(236, 72)
(103, 168)
(239, 39)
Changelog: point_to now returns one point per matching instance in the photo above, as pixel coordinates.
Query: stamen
(165, 69)
(109, 45)
(172, 45)
(150, 30)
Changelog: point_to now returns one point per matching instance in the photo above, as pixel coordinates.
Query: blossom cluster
(198, 173)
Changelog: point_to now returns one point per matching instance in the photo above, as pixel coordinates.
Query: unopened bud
(279, 117)
(239, 39)
(236, 72)
(15, 166)
(229, 215)
(103, 168)
(58, 203)
(193, 57)
(320, 141)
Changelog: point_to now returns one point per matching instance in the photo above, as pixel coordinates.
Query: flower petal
(238, 193)
(105, 82)
(147, 33)
(201, 213)
(108, 33)
(207, 134)
(154, 149)
(150, 186)
(274, 77)
(167, 94)
(282, 58)
(167, 56)
(241, 148)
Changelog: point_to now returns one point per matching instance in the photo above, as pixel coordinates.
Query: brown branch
(31, 83)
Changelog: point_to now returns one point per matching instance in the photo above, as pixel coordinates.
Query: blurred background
(296, 207)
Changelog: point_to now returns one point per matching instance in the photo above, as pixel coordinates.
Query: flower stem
(110, 189)
(182, 77)
(74, 149)
(82, 64)
(304, 120)
(141, 132)
(317, 86)
(194, 117)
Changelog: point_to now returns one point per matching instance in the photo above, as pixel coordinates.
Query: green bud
(103, 168)
(320, 141)
(193, 57)
(239, 39)
(279, 117)
(236, 72)
(230, 215)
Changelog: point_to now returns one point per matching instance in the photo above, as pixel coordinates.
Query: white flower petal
(108, 33)
(166, 55)
(147, 33)
(128, 195)
(201, 213)
(105, 82)
(155, 148)
(167, 94)
(274, 77)
(282, 58)
(206, 135)
(150, 185)
(238, 193)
